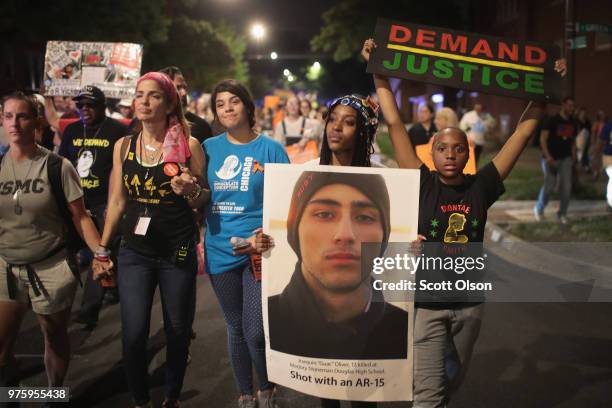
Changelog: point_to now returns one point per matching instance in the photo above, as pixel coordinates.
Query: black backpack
(73, 240)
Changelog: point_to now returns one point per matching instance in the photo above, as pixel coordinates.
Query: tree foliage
(170, 30)
(32, 21)
(347, 24)
(205, 52)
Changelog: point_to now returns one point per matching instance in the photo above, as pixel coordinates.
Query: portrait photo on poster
(319, 302)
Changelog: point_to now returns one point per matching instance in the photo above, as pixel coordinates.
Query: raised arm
(508, 155)
(505, 160)
(51, 114)
(404, 151)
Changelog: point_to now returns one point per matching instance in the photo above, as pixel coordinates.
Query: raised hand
(561, 66)
(368, 47)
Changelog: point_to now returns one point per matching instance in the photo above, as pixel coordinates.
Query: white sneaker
(537, 214)
(563, 220)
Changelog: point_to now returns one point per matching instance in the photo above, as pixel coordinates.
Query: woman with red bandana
(155, 186)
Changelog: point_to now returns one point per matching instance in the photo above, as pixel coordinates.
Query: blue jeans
(562, 169)
(137, 281)
(240, 297)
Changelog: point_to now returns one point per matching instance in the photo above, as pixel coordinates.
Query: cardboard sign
(360, 356)
(112, 67)
(468, 61)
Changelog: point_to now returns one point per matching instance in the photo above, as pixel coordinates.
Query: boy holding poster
(445, 332)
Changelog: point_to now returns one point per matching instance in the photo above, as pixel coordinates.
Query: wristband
(102, 252)
(194, 194)
(101, 258)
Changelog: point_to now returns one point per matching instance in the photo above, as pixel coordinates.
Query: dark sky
(290, 23)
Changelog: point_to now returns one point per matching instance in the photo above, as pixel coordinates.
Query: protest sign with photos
(112, 67)
(329, 333)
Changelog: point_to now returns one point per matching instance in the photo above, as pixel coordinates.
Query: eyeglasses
(82, 105)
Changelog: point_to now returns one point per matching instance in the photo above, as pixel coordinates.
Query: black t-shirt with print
(90, 149)
(149, 194)
(561, 136)
(453, 218)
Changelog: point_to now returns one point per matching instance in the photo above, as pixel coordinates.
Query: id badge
(142, 225)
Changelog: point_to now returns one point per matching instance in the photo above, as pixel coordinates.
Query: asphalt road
(532, 355)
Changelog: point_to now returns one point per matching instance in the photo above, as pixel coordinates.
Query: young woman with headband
(155, 186)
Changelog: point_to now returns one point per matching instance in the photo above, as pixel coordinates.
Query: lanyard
(155, 171)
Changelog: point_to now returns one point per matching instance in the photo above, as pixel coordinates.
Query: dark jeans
(561, 170)
(93, 292)
(327, 403)
(240, 297)
(138, 280)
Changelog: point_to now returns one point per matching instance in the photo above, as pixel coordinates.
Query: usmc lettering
(31, 185)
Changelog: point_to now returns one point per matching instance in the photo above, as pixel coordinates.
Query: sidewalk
(578, 262)
(521, 211)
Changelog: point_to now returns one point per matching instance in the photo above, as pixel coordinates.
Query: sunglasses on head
(86, 104)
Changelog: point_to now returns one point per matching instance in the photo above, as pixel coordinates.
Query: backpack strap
(303, 126)
(54, 173)
(125, 144)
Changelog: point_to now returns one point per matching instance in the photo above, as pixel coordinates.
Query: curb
(528, 256)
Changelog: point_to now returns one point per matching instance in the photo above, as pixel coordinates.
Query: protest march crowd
(154, 191)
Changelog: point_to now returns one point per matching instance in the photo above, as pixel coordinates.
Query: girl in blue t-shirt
(236, 164)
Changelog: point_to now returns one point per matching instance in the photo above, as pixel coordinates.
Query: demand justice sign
(112, 67)
(466, 60)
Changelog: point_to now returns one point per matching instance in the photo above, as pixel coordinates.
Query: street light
(286, 72)
(273, 55)
(290, 78)
(314, 71)
(437, 98)
(258, 31)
